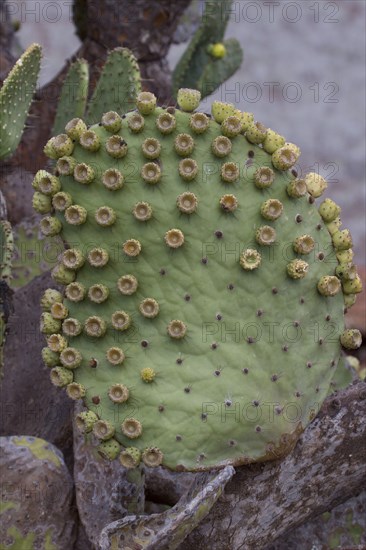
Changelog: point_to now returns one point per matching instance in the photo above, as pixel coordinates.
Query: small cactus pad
(15, 98)
(196, 333)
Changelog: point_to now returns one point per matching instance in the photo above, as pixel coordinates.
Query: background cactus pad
(202, 316)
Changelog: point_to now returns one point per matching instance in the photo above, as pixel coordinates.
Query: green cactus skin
(16, 97)
(208, 382)
(117, 87)
(73, 96)
(199, 67)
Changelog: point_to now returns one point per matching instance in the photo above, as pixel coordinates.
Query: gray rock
(342, 527)
(36, 496)
(30, 404)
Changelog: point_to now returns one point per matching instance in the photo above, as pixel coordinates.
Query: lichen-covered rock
(36, 510)
(203, 304)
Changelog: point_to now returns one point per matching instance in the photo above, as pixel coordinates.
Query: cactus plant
(209, 60)
(203, 315)
(15, 98)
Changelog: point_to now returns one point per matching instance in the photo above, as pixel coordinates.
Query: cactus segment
(118, 86)
(174, 272)
(73, 97)
(15, 98)
(209, 60)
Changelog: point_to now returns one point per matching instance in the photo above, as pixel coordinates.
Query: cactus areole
(203, 316)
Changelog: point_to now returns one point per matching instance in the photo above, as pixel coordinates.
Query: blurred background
(303, 75)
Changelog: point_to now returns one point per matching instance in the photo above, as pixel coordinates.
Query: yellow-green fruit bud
(50, 358)
(136, 123)
(75, 215)
(73, 258)
(217, 50)
(285, 157)
(264, 177)
(353, 286)
(118, 393)
(75, 128)
(41, 203)
(329, 285)
(273, 141)
(333, 227)
(351, 339)
(83, 173)
(342, 240)
(85, 421)
(231, 127)
(66, 165)
(59, 311)
(184, 145)
(147, 375)
(61, 201)
(146, 103)
(152, 457)
(265, 235)
(131, 428)
(250, 259)
(46, 183)
(199, 122)
(62, 145)
(256, 133)
(272, 209)
(149, 308)
(177, 329)
(71, 358)
(188, 100)
(49, 325)
(345, 256)
(329, 210)
(151, 148)
(62, 275)
(297, 269)
(112, 122)
(246, 119)
(95, 327)
(346, 272)
(50, 297)
(188, 169)
(50, 226)
(103, 429)
(130, 457)
(349, 300)
(56, 342)
(61, 377)
(109, 450)
(316, 184)
(221, 110)
(75, 391)
(166, 123)
(116, 147)
(297, 188)
(304, 244)
(75, 292)
(121, 320)
(71, 327)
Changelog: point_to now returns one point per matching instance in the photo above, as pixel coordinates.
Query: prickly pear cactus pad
(203, 311)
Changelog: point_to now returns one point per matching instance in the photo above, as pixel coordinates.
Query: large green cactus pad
(261, 345)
